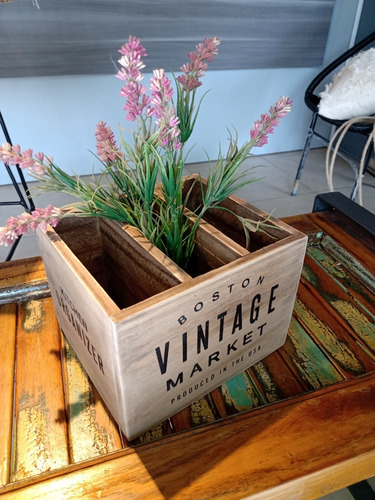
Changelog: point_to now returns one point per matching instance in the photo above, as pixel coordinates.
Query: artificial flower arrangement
(142, 184)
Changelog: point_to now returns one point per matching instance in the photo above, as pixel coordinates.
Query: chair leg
(369, 153)
(306, 149)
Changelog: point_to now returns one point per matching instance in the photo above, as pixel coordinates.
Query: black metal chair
(21, 188)
(312, 101)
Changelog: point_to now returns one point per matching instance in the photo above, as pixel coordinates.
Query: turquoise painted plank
(337, 349)
(355, 279)
(311, 363)
(349, 262)
(353, 313)
(240, 394)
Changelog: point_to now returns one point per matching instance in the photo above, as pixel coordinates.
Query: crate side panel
(175, 352)
(83, 238)
(137, 268)
(229, 224)
(83, 318)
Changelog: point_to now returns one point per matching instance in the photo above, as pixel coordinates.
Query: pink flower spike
(132, 52)
(133, 48)
(6, 238)
(262, 141)
(162, 92)
(39, 218)
(39, 157)
(12, 155)
(267, 123)
(196, 68)
(167, 121)
(105, 143)
(282, 107)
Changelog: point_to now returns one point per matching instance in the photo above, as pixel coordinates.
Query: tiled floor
(272, 193)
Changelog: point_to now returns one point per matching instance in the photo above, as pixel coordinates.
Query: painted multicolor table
(299, 423)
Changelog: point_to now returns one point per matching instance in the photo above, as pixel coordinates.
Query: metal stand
(24, 198)
(337, 201)
(351, 161)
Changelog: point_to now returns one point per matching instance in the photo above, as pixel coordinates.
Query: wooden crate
(154, 338)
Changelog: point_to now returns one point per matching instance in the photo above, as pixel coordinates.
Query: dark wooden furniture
(300, 421)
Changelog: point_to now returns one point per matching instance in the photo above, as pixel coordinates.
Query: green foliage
(146, 190)
(144, 186)
(185, 111)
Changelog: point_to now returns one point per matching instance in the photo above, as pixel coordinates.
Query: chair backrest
(311, 99)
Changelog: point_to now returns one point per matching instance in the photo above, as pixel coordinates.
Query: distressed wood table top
(299, 423)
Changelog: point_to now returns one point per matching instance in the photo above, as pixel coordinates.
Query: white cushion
(352, 91)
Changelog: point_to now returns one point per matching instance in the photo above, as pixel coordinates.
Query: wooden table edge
(310, 484)
(322, 482)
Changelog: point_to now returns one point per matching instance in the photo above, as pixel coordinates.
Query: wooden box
(154, 338)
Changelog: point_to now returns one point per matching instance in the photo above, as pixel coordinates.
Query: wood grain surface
(279, 452)
(38, 391)
(8, 325)
(298, 424)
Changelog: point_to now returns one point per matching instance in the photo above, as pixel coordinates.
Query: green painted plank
(357, 317)
(349, 262)
(347, 278)
(241, 394)
(337, 349)
(311, 363)
(362, 325)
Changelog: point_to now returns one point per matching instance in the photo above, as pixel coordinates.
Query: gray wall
(74, 37)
